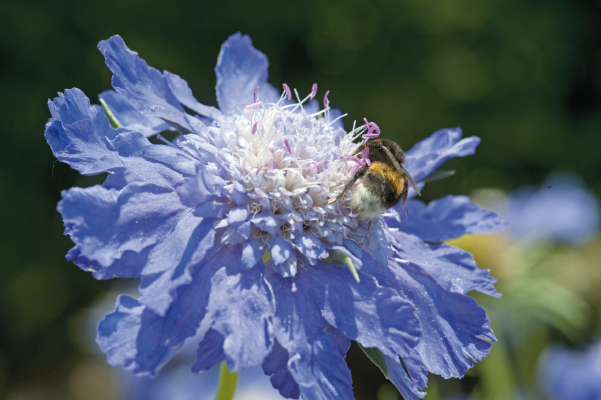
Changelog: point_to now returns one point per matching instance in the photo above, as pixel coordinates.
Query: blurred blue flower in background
(562, 210)
(224, 224)
(571, 374)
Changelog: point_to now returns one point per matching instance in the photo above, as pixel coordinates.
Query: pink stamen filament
(376, 127)
(325, 99)
(313, 91)
(288, 92)
(254, 105)
(316, 165)
(365, 156)
(371, 126)
(355, 159)
(260, 168)
(255, 94)
(288, 146)
(254, 128)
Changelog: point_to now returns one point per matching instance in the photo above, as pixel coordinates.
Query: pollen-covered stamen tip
(288, 91)
(255, 94)
(313, 91)
(325, 99)
(254, 105)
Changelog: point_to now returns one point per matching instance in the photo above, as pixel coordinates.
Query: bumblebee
(383, 184)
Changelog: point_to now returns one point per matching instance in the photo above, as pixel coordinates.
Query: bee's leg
(360, 172)
(408, 176)
(404, 197)
(399, 168)
(359, 149)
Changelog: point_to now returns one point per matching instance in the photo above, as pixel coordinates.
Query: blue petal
(116, 330)
(335, 113)
(452, 268)
(128, 266)
(342, 341)
(137, 338)
(242, 305)
(171, 260)
(315, 360)
(105, 224)
(252, 251)
(144, 87)
(184, 95)
(398, 376)
(210, 351)
(310, 246)
(240, 68)
(81, 137)
(431, 152)
(280, 249)
(130, 118)
(203, 187)
(74, 106)
(373, 315)
(276, 365)
(444, 219)
(456, 331)
(288, 268)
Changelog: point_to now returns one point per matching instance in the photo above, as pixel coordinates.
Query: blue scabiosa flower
(562, 210)
(571, 374)
(227, 223)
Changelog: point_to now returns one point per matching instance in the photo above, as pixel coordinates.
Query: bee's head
(375, 153)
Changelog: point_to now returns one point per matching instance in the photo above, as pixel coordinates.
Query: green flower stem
(227, 383)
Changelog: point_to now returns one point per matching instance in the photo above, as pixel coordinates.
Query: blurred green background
(524, 75)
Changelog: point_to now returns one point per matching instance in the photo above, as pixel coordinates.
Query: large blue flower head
(227, 224)
(562, 210)
(571, 374)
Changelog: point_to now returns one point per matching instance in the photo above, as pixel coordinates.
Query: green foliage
(337, 257)
(376, 357)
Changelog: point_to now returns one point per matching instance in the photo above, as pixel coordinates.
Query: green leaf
(438, 175)
(109, 114)
(266, 256)
(227, 383)
(338, 257)
(376, 357)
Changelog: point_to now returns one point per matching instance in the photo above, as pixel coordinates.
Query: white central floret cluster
(288, 159)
